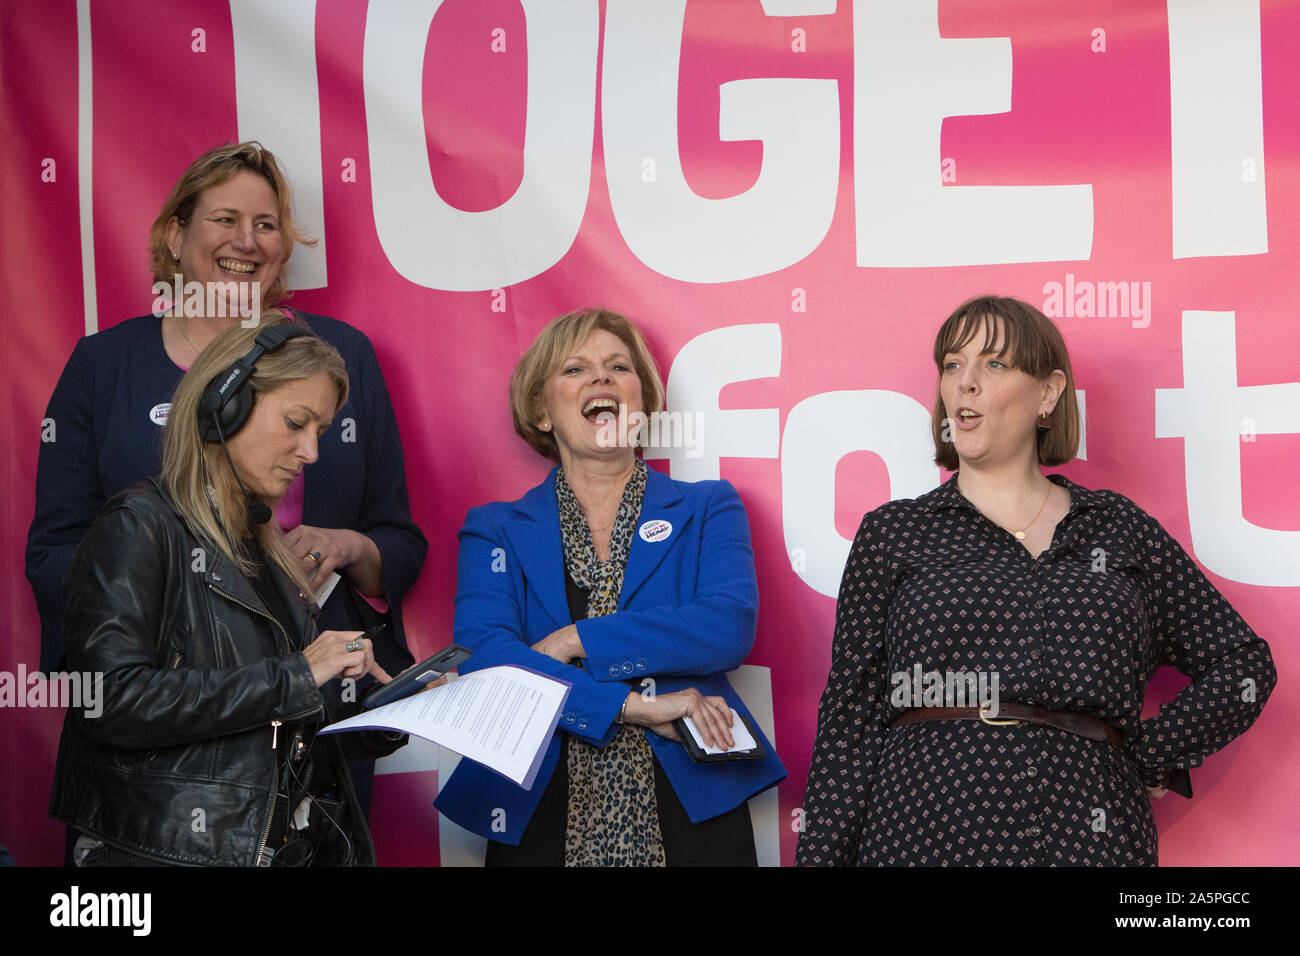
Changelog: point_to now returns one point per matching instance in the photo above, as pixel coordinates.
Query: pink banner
(788, 197)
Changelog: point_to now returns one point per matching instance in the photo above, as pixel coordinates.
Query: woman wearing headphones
(192, 606)
(227, 229)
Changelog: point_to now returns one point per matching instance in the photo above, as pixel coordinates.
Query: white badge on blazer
(158, 414)
(655, 530)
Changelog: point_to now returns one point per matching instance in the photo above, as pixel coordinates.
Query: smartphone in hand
(415, 679)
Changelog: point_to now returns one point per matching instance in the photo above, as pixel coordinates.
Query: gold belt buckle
(984, 709)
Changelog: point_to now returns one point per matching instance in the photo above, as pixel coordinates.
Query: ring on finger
(314, 555)
(355, 645)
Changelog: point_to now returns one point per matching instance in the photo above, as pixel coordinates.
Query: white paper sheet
(739, 733)
(327, 588)
(501, 717)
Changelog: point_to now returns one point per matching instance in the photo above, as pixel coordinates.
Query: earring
(1045, 422)
(545, 426)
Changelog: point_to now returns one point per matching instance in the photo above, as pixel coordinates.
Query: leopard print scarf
(613, 819)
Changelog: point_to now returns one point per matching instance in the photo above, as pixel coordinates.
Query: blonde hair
(196, 472)
(551, 347)
(1032, 343)
(213, 168)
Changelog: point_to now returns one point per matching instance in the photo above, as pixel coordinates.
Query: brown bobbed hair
(196, 472)
(553, 345)
(213, 168)
(1030, 342)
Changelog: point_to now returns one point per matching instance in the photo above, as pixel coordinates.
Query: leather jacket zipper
(288, 649)
(263, 857)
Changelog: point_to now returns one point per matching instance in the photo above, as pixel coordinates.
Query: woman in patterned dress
(638, 590)
(1054, 603)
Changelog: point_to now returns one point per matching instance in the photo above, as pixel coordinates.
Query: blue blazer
(687, 614)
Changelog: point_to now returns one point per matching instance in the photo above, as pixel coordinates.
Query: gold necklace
(1020, 535)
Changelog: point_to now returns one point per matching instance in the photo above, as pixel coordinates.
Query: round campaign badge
(158, 414)
(655, 530)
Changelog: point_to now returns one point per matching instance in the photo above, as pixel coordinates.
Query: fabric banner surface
(789, 197)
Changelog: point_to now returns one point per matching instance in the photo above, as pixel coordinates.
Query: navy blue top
(103, 433)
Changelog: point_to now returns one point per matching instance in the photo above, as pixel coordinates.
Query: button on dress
(932, 582)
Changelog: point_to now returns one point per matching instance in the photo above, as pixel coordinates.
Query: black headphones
(228, 401)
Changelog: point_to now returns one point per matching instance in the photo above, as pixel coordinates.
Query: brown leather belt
(1010, 712)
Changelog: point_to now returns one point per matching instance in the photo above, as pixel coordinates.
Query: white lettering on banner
(905, 215)
(277, 101)
(797, 8)
(1082, 399)
(906, 79)
(86, 165)
(1207, 413)
(1216, 113)
(704, 365)
(432, 243)
(780, 219)
(819, 432)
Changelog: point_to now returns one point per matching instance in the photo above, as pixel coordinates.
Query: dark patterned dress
(932, 582)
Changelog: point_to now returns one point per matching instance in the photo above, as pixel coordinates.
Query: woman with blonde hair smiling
(227, 226)
(1071, 598)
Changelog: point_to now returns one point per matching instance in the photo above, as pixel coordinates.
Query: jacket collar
(948, 495)
(222, 575)
(534, 532)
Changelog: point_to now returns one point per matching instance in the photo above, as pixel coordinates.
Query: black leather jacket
(204, 695)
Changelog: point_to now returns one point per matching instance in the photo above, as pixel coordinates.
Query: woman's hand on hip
(712, 715)
(342, 654)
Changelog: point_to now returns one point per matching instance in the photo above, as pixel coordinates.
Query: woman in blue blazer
(637, 589)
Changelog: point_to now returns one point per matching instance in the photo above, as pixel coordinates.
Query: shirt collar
(947, 495)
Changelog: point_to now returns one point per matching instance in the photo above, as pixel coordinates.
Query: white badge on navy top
(158, 414)
(655, 529)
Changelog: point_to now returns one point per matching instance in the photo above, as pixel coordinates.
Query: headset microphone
(258, 511)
